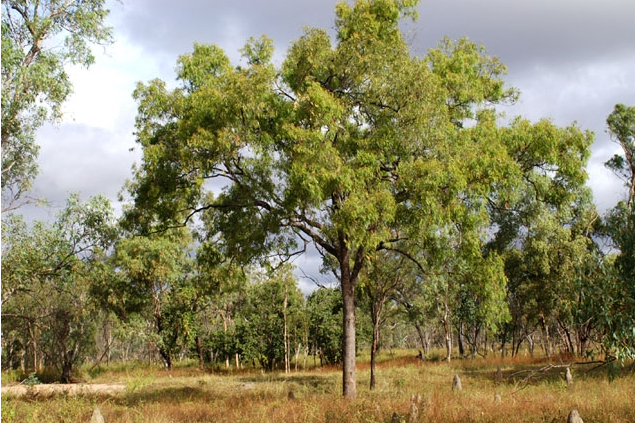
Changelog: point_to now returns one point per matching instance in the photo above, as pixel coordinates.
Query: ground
(531, 390)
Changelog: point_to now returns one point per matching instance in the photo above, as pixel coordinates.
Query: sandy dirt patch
(45, 390)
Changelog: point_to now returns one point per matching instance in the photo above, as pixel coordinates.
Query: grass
(189, 395)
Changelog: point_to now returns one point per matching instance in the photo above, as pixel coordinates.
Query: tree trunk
(425, 344)
(530, 344)
(545, 335)
(447, 327)
(460, 339)
(503, 342)
(516, 336)
(297, 355)
(474, 344)
(448, 343)
(373, 352)
(566, 337)
(34, 346)
(167, 358)
(583, 335)
(348, 351)
(164, 352)
(222, 315)
(199, 351)
(67, 360)
(67, 372)
(285, 335)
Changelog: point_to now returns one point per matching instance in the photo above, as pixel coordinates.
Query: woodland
(445, 227)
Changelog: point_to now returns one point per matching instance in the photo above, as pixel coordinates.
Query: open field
(189, 395)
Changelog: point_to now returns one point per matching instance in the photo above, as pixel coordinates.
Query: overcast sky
(572, 60)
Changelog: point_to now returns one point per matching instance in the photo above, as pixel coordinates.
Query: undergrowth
(530, 390)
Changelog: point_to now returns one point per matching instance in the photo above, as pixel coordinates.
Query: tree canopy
(620, 224)
(48, 271)
(34, 81)
(353, 144)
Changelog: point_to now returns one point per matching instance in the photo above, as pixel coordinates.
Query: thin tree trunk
(297, 356)
(285, 336)
(567, 338)
(477, 331)
(545, 335)
(422, 338)
(199, 351)
(23, 361)
(163, 351)
(583, 335)
(109, 346)
(167, 358)
(34, 345)
(447, 327)
(11, 353)
(222, 315)
(503, 342)
(516, 336)
(460, 339)
(348, 356)
(373, 352)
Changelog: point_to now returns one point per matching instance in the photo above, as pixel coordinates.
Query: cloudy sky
(572, 60)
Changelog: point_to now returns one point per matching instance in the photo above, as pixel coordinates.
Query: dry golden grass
(189, 395)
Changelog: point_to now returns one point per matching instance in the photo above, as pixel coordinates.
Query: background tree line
(436, 216)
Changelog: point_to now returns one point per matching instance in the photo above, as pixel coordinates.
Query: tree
(553, 259)
(48, 272)
(324, 309)
(620, 224)
(621, 123)
(272, 308)
(154, 279)
(34, 82)
(352, 147)
(480, 297)
(385, 273)
(549, 193)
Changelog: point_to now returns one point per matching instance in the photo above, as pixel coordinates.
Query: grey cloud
(78, 158)
(546, 31)
(170, 28)
(538, 31)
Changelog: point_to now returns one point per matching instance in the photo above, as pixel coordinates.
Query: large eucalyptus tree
(354, 145)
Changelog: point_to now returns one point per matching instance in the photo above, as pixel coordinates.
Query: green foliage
(153, 279)
(480, 296)
(31, 380)
(272, 308)
(357, 146)
(342, 136)
(324, 310)
(34, 82)
(621, 123)
(542, 224)
(620, 226)
(48, 311)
